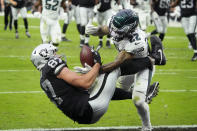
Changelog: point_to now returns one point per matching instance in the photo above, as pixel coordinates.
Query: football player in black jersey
(159, 10)
(5, 5)
(18, 6)
(188, 21)
(75, 94)
(103, 15)
(86, 16)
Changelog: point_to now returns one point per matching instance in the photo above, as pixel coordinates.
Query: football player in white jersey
(142, 7)
(49, 24)
(131, 42)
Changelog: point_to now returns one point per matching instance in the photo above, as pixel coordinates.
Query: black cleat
(65, 39)
(194, 58)
(157, 51)
(152, 92)
(108, 45)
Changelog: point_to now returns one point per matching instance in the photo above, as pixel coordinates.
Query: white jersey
(143, 5)
(137, 45)
(51, 8)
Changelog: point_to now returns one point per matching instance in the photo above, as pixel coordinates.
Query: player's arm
(63, 5)
(38, 6)
(173, 4)
(83, 81)
(122, 56)
(97, 30)
(13, 2)
(2, 4)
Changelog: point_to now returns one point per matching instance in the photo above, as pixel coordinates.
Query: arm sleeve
(135, 65)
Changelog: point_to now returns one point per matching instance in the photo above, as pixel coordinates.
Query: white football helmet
(41, 54)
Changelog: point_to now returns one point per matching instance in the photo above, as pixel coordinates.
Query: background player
(5, 5)
(49, 23)
(18, 6)
(103, 15)
(159, 10)
(188, 21)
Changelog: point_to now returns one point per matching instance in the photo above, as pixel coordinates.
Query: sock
(16, 25)
(161, 36)
(121, 94)
(78, 28)
(82, 30)
(64, 28)
(26, 24)
(193, 41)
(154, 32)
(100, 38)
(87, 37)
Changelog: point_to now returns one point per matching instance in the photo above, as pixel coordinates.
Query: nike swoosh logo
(160, 51)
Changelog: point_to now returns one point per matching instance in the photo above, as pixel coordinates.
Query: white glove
(91, 29)
(83, 70)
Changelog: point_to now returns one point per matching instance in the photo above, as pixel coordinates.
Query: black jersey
(161, 6)
(20, 3)
(71, 100)
(75, 2)
(187, 7)
(87, 3)
(105, 5)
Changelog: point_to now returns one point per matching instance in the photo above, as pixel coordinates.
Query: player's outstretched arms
(82, 81)
(97, 30)
(122, 56)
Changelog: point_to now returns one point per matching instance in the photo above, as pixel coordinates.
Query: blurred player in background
(5, 5)
(131, 42)
(76, 13)
(49, 23)
(65, 16)
(142, 7)
(86, 8)
(188, 21)
(159, 10)
(103, 15)
(18, 6)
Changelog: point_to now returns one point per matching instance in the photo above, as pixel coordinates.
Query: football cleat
(65, 39)
(108, 45)
(194, 58)
(152, 92)
(157, 51)
(16, 35)
(27, 34)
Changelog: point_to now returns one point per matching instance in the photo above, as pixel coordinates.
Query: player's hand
(91, 29)
(83, 70)
(96, 56)
(14, 3)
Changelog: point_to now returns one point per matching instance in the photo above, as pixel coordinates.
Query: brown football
(86, 56)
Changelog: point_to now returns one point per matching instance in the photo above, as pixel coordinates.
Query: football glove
(83, 70)
(96, 56)
(91, 29)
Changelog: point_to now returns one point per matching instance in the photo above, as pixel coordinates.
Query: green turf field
(21, 108)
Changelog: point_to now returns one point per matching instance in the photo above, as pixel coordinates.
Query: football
(86, 56)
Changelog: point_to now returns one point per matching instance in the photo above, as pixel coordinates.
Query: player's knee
(138, 98)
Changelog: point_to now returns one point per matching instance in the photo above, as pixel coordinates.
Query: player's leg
(55, 33)
(164, 22)
(143, 79)
(65, 26)
(44, 30)
(15, 18)
(101, 94)
(100, 19)
(23, 12)
(77, 18)
(192, 28)
(90, 16)
(84, 22)
(6, 14)
(10, 14)
(108, 15)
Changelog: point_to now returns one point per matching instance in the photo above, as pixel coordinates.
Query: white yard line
(130, 128)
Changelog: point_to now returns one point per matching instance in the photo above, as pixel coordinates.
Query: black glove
(96, 57)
